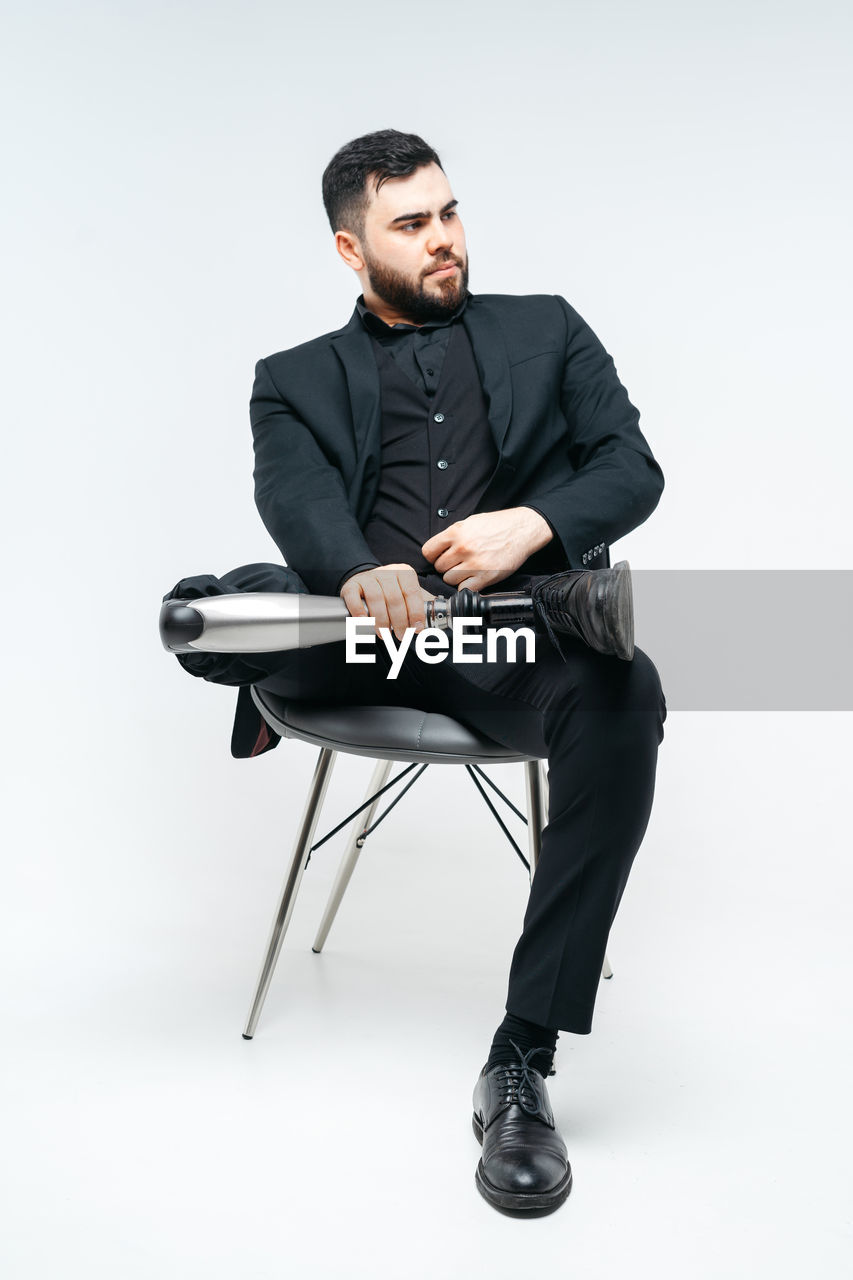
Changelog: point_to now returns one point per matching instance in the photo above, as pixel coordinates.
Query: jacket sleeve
(300, 494)
(616, 482)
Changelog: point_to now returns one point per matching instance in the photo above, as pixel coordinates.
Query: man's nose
(440, 236)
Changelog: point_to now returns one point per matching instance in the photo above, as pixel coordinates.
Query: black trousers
(598, 719)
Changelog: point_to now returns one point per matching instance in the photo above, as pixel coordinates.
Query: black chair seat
(382, 733)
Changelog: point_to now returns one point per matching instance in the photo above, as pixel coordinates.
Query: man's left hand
(487, 547)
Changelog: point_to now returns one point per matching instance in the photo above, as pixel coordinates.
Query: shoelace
(518, 1083)
(550, 597)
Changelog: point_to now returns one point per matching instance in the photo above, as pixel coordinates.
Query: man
(441, 440)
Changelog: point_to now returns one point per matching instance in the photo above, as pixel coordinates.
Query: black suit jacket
(569, 444)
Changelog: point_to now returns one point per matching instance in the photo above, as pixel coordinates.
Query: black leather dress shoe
(593, 605)
(525, 1164)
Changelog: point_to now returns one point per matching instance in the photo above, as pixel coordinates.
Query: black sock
(527, 1035)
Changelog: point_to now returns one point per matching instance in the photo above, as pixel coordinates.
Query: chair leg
(606, 971)
(535, 812)
(354, 846)
(545, 789)
(304, 836)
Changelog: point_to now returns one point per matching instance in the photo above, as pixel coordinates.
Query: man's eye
(451, 213)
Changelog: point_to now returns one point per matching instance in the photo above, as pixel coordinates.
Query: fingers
(384, 601)
(438, 543)
(390, 594)
(475, 580)
(449, 550)
(394, 598)
(485, 547)
(454, 577)
(456, 564)
(353, 599)
(457, 561)
(413, 600)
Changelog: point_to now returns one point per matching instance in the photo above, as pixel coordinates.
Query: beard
(419, 302)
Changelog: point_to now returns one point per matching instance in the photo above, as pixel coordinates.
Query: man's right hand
(389, 593)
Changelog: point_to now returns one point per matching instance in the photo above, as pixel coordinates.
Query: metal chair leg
(545, 789)
(535, 812)
(304, 836)
(606, 971)
(354, 846)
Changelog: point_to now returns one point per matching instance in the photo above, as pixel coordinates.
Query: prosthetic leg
(591, 605)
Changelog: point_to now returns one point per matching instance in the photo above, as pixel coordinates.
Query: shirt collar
(374, 324)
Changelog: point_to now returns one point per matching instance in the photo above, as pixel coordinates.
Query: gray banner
(748, 640)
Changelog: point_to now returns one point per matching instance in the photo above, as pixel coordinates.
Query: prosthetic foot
(593, 605)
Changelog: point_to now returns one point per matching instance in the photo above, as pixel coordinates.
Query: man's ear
(349, 248)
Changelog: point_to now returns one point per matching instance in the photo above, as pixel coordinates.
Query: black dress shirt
(419, 350)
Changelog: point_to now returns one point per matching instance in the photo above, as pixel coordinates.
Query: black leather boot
(593, 605)
(525, 1164)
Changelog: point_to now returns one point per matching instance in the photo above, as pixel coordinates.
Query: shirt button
(442, 464)
(442, 511)
(438, 417)
(430, 371)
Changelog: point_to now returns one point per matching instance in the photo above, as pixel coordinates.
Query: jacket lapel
(352, 345)
(492, 361)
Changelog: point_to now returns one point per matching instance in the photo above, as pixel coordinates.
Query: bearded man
(443, 440)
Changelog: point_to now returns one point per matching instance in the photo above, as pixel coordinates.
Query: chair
(385, 734)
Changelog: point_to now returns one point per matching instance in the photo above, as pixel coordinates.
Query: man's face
(411, 229)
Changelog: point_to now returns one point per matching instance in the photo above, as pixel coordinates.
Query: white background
(680, 173)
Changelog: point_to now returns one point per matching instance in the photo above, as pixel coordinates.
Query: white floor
(707, 1116)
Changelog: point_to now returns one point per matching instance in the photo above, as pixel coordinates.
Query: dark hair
(380, 156)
